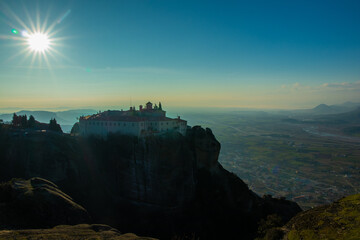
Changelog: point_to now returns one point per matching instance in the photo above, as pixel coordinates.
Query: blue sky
(258, 54)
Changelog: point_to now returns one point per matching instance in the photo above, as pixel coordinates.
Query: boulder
(37, 203)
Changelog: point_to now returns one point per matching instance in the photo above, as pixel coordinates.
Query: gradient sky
(257, 54)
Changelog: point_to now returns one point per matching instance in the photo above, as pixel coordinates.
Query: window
(102, 123)
(133, 124)
(109, 124)
(124, 124)
(98, 123)
(167, 123)
(106, 124)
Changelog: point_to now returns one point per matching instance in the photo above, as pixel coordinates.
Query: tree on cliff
(31, 122)
(24, 121)
(54, 126)
(20, 121)
(16, 120)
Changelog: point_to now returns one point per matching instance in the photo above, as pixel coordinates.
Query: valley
(310, 163)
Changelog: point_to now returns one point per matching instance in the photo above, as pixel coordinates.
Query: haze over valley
(310, 156)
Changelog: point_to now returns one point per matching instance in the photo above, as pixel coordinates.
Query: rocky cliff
(160, 186)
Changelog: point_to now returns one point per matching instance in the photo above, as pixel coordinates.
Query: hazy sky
(258, 54)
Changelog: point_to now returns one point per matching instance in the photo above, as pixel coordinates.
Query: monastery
(143, 122)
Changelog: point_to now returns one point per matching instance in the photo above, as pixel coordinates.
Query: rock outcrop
(37, 203)
(339, 220)
(161, 186)
(76, 232)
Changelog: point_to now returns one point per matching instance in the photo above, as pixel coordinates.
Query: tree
(31, 122)
(16, 120)
(23, 121)
(54, 126)
(20, 121)
(75, 129)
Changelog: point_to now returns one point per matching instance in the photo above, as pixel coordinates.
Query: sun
(39, 39)
(38, 42)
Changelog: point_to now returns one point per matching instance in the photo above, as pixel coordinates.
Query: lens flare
(24, 33)
(38, 42)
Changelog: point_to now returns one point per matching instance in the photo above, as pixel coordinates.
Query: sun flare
(38, 36)
(38, 42)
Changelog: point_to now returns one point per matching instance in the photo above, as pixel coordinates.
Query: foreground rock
(37, 203)
(77, 232)
(339, 220)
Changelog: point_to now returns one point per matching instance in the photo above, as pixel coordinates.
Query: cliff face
(157, 186)
(159, 171)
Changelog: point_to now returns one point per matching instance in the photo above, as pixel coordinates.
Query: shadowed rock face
(37, 203)
(156, 186)
(205, 147)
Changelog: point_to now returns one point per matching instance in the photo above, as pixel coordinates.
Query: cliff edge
(162, 186)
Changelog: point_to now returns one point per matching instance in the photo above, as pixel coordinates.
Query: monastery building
(145, 121)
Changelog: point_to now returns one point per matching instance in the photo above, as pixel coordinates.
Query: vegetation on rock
(338, 221)
(66, 232)
(54, 126)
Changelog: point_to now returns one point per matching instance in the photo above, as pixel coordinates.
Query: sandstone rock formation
(161, 186)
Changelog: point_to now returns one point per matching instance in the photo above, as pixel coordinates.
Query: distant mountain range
(324, 109)
(65, 118)
(345, 117)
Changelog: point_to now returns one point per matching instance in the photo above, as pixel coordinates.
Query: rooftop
(127, 116)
